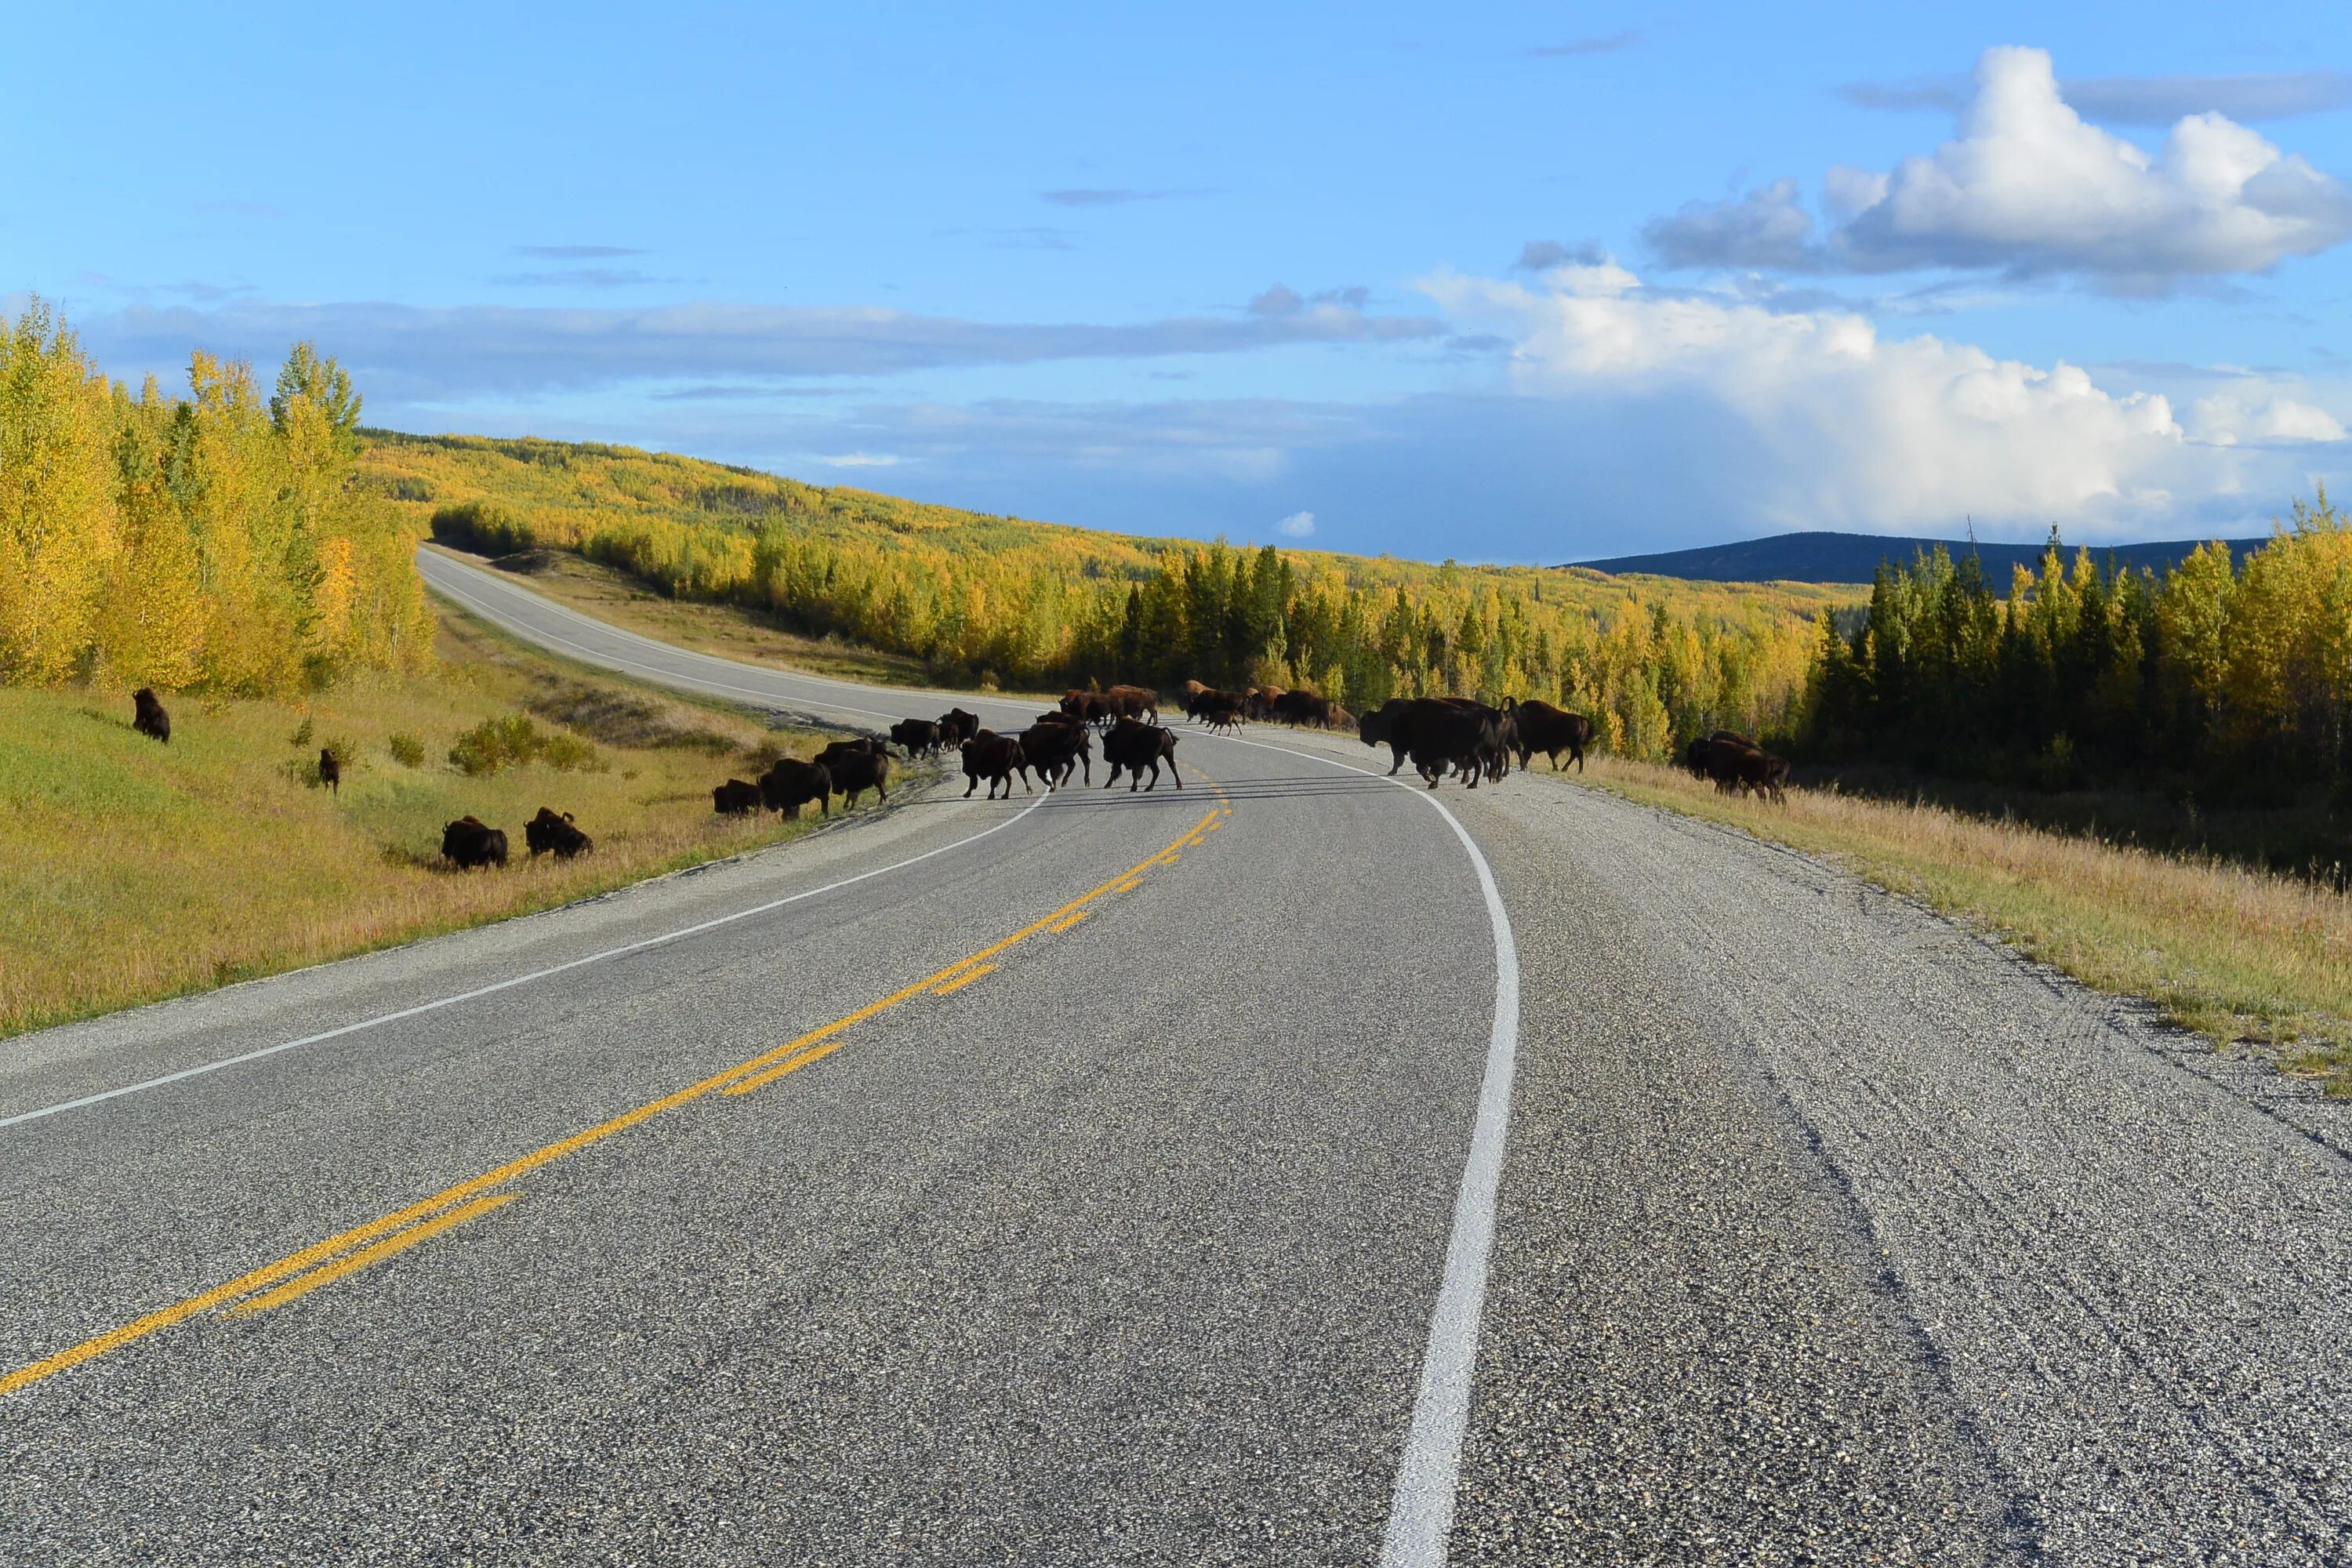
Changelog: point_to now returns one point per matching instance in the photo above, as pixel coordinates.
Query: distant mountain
(1854, 557)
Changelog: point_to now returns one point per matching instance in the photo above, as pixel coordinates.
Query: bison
(1133, 745)
(956, 727)
(1055, 747)
(470, 842)
(148, 716)
(996, 758)
(1540, 727)
(920, 737)
(855, 771)
(550, 834)
(330, 772)
(1300, 706)
(1219, 710)
(735, 798)
(791, 783)
(1437, 733)
(1087, 707)
(1737, 766)
(1132, 702)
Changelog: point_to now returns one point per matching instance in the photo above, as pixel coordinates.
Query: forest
(1004, 602)
(212, 541)
(2234, 678)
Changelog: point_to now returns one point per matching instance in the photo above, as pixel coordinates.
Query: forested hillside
(2234, 674)
(207, 540)
(1001, 600)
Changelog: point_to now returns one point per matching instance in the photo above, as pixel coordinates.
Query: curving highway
(1294, 1168)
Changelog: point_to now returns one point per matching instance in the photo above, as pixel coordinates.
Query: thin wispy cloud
(580, 278)
(576, 252)
(1577, 48)
(1089, 197)
(2137, 99)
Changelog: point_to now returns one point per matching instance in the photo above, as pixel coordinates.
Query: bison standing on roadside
(855, 771)
(920, 737)
(1737, 766)
(550, 834)
(791, 784)
(1437, 733)
(148, 716)
(996, 758)
(1540, 727)
(1133, 745)
(470, 842)
(735, 798)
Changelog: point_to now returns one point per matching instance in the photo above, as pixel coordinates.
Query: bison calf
(148, 716)
(735, 798)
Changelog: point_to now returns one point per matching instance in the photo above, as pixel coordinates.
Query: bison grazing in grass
(548, 834)
(996, 758)
(1540, 727)
(1132, 746)
(470, 842)
(330, 772)
(1739, 765)
(791, 784)
(735, 798)
(148, 716)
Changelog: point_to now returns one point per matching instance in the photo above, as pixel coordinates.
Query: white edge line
(511, 982)
(1420, 1509)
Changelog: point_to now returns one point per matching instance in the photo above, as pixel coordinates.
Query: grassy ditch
(131, 872)
(2238, 954)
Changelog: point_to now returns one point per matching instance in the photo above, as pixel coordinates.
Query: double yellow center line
(299, 1273)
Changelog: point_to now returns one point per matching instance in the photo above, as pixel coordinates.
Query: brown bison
(1540, 727)
(1088, 707)
(547, 833)
(920, 737)
(1133, 702)
(1057, 746)
(1257, 702)
(1133, 745)
(1438, 733)
(330, 772)
(1739, 765)
(956, 727)
(855, 771)
(148, 716)
(470, 842)
(735, 798)
(791, 783)
(996, 758)
(1219, 710)
(1300, 706)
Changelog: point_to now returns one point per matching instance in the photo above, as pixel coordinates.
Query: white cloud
(1297, 525)
(2029, 186)
(2256, 414)
(860, 460)
(1838, 426)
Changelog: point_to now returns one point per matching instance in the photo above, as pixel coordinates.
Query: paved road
(1130, 1215)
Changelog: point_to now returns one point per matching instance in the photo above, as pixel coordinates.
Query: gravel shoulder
(1835, 1232)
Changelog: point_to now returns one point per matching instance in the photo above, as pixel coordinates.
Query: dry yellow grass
(131, 872)
(2234, 954)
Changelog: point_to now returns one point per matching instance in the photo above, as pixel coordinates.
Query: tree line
(210, 541)
(2237, 675)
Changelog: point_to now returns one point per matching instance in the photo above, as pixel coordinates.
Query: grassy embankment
(2237, 954)
(131, 872)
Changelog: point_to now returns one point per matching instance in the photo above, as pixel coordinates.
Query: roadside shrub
(301, 736)
(495, 744)
(408, 751)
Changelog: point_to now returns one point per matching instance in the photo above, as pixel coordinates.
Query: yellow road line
(961, 981)
(349, 1263)
(762, 1069)
(1066, 924)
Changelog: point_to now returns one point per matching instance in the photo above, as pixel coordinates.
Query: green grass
(131, 872)
(2243, 956)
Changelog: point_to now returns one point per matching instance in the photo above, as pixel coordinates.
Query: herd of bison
(1442, 737)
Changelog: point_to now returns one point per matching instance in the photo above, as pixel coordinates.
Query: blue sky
(1534, 282)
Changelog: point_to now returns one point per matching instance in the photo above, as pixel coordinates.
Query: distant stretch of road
(1292, 1168)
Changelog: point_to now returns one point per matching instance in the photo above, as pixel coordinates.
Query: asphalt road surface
(1119, 1178)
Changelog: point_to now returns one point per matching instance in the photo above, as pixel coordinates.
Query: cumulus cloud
(407, 351)
(2030, 187)
(1297, 525)
(2255, 414)
(1848, 428)
(1543, 255)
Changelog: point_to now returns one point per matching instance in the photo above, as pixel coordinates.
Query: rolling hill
(1824, 557)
